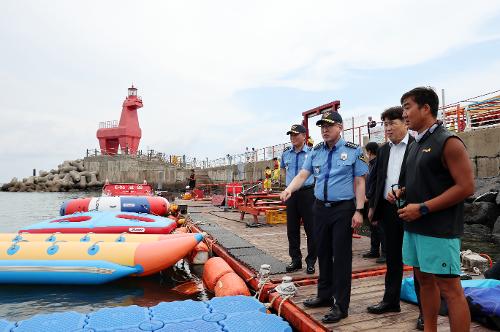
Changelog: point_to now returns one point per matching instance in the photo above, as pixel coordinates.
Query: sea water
(18, 302)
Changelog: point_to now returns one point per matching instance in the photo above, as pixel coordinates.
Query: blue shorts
(432, 254)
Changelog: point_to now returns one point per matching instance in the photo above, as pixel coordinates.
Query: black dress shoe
(371, 255)
(317, 302)
(294, 266)
(334, 315)
(381, 260)
(383, 307)
(310, 269)
(420, 323)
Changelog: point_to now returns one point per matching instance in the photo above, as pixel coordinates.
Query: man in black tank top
(438, 179)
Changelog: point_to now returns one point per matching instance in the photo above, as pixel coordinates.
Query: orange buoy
(215, 268)
(199, 255)
(230, 284)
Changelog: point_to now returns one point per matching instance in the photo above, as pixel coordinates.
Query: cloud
(471, 83)
(66, 66)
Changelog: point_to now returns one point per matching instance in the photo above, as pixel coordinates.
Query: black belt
(311, 186)
(330, 204)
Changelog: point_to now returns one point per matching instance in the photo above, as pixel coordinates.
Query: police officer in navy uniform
(299, 206)
(338, 167)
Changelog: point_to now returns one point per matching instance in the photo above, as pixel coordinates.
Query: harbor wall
(483, 146)
(132, 169)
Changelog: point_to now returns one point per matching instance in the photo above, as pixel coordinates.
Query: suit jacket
(379, 174)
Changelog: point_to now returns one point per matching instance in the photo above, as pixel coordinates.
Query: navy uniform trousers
(298, 206)
(334, 238)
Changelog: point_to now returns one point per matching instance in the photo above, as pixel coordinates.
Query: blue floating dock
(224, 314)
(6, 326)
(55, 322)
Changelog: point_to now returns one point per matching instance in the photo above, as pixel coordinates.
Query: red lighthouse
(127, 133)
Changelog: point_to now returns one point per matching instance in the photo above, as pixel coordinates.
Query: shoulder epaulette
(351, 145)
(287, 148)
(319, 146)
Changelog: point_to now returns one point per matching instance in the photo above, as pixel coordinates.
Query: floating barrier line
(294, 315)
(291, 312)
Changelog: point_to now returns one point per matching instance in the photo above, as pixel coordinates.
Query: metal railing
(150, 154)
(354, 133)
(250, 155)
(477, 114)
(108, 124)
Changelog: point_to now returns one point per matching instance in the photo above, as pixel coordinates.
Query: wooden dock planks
(364, 291)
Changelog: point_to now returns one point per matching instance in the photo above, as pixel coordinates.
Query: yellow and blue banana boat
(88, 237)
(72, 262)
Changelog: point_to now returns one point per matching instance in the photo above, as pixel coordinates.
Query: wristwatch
(360, 210)
(424, 209)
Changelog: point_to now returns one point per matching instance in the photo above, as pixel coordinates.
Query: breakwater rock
(483, 207)
(70, 175)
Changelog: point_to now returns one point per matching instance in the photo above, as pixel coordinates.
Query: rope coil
(264, 277)
(286, 290)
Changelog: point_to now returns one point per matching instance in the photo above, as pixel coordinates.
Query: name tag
(136, 229)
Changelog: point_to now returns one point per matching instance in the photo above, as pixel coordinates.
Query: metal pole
(353, 129)
(442, 104)
(254, 166)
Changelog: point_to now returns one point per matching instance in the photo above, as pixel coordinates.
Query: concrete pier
(132, 169)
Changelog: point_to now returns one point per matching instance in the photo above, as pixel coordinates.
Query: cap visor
(292, 132)
(320, 122)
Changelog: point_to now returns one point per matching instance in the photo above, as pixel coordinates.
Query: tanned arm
(359, 184)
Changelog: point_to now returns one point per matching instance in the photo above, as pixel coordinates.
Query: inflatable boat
(88, 263)
(87, 237)
(104, 222)
(139, 204)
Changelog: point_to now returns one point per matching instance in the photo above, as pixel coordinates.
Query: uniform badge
(317, 169)
(343, 156)
(363, 158)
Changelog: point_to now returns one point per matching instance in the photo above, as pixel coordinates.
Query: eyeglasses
(401, 200)
(326, 126)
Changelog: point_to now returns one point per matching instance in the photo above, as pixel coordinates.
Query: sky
(218, 76)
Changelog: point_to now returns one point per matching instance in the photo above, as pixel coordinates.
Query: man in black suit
(376, 235)
(389, 173)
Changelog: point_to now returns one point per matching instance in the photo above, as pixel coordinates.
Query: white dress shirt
(396, 156)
